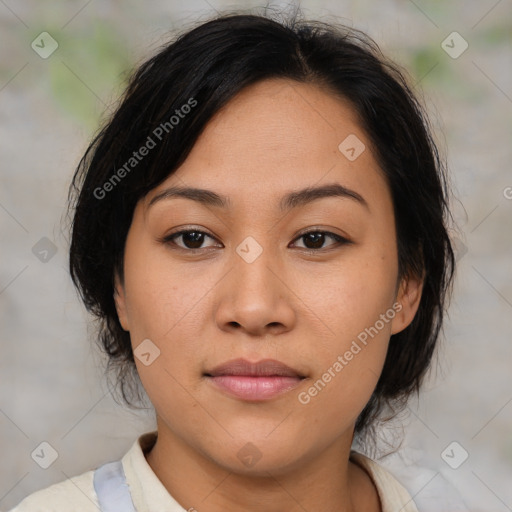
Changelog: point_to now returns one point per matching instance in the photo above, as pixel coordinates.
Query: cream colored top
(149, 494)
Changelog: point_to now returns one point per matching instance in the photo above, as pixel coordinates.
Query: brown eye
(190, 239)
(314, 240)
(193, 239)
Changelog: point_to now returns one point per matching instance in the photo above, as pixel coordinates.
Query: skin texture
(301, 308)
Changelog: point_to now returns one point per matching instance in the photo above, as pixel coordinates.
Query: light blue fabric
(111, 488)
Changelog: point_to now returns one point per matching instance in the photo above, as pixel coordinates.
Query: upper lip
(265, 367)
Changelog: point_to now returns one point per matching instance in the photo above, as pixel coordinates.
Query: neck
(327, 481)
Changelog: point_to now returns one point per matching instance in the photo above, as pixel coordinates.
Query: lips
(261, 380)
(264, 368)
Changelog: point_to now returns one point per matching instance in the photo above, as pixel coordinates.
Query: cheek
(167, 304)
(349, 362)
(352, 295)
(162, 296)
(355, 306)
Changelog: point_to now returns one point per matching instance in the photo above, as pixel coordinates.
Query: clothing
(133, 486)
(111, 488)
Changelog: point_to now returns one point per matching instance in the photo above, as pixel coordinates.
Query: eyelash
(169, 239)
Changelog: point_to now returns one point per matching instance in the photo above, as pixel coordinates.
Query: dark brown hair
(210, 64)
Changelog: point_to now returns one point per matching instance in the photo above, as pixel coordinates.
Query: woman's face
(257, 287)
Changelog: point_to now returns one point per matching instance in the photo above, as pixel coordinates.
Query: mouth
(257, 381)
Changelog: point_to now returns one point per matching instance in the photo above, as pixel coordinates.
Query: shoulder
(75, 493)
(426, 488)
(78, 492)
(393, 496)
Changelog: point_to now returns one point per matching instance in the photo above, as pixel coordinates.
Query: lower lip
(255, 388)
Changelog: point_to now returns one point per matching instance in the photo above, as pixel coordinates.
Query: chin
(257, 456)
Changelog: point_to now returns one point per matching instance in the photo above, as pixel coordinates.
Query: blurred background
(62, 67)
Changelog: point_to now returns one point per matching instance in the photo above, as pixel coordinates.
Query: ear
(120, 301)
(408, 301)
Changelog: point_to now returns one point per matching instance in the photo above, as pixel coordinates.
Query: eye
(314, 240)
(192, 239)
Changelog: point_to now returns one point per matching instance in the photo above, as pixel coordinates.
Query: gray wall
(50, 372)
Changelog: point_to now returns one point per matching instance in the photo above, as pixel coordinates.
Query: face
(311, 282)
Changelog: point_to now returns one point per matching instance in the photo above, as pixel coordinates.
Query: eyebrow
(291, 200)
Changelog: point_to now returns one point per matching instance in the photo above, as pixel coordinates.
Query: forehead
(278, 135)
(279, 119)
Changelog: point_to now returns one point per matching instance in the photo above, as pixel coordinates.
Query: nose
(254, 297)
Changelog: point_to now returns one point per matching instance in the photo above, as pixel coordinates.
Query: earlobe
(120, 302)
(407, 303)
